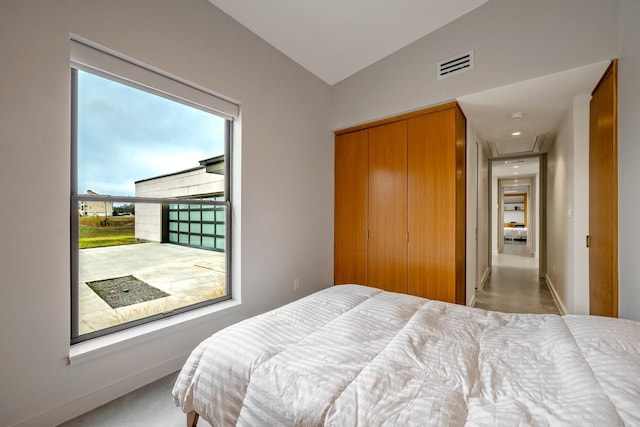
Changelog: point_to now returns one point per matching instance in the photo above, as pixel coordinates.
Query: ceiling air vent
(456, 65)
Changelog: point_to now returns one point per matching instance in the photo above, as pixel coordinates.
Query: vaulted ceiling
(334, 39)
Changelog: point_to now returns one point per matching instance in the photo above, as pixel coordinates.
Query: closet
(400, 204)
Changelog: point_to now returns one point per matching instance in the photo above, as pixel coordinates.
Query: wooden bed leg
(192, 419)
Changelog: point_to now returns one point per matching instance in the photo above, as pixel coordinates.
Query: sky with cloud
(126, 135)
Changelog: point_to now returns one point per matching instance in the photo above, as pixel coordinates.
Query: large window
(150, 195)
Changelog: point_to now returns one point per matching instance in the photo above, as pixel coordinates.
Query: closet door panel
(350, 208)
(387, 243)
(432, 205)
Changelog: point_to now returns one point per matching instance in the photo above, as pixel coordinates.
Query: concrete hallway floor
(514, 285)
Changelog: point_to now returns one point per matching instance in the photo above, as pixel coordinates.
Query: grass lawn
(120, 230)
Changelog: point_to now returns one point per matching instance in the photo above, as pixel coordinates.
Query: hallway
(514, 285)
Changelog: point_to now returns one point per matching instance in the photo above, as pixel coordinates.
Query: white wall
(537, 215)
(483, 217)
(471, 269)
(629, 159)
(283, 217)
(477, 215)
(568, 209)
(514, 40)
(514, 216)
(580, 211)
(559, 200)
(495, 210)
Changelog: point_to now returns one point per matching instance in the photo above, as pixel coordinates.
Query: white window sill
(103, 346)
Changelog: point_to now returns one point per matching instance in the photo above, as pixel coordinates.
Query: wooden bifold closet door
(387, 245)
(350, 210)
(436, 216)
(400, 204)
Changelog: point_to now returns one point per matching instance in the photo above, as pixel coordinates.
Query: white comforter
(515, 232)
(353, 355)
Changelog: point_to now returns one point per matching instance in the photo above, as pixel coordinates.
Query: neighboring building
(91, 208)
(190, 225)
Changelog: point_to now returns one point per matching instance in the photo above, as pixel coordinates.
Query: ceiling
(334, 39)
(542, 102)
(515, 168)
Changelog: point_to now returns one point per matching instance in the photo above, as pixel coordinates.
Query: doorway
(515, 217)
(515, 284)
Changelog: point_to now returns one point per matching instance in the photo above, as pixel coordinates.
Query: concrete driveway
(188, 275)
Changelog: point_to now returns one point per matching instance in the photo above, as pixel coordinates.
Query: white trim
(485, 276)
(98, 60)
(554, 294)
(106, 345)
(472, 303)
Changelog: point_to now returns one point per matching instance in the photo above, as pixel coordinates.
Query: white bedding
(515, 232)
(354, 355)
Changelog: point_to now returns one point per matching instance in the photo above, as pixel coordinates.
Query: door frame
(541, 202)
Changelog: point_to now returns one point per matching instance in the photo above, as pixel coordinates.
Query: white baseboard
(472, 303)
(485, 276)
(554, 294)
(93, 400)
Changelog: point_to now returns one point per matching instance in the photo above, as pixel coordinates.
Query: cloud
(125, 135)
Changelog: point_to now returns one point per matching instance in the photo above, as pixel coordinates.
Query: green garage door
(198, 226)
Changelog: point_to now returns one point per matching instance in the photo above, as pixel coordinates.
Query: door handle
(588, 241)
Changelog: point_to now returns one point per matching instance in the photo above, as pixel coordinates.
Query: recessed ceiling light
(516, 167)
(517, 115)
(515, 173)
(515, 180)
(516, 133)
(509, 162)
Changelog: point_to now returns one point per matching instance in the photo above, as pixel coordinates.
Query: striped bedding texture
(354, 355)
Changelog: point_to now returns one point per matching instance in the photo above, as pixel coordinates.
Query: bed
(354, 355)
(515, 233)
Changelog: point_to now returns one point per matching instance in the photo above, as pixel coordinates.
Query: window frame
(105, 64)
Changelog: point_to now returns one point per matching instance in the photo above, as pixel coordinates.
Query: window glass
(146, 171)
